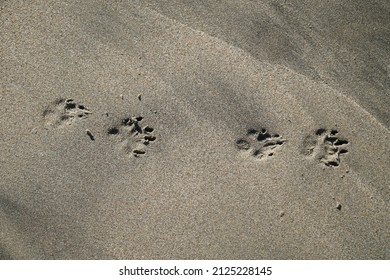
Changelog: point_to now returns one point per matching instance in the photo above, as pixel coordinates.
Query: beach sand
(195, 129)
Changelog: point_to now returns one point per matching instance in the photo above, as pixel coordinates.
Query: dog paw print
(132, 136)
(326, 146)
(260, 143)
(64, 112)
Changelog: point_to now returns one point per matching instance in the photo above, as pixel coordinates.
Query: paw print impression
(326, 147)
(64, 112)
(260, 144)
(132, 136)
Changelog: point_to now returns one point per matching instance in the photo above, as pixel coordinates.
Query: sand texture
(161, 129)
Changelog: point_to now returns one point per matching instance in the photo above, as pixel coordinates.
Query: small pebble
(89, 133)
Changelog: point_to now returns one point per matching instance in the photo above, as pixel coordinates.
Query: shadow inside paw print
(260, 143)
(133, 137)
(326, 146)
(64, 112)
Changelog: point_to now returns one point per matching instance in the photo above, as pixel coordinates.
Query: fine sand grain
(195, 129)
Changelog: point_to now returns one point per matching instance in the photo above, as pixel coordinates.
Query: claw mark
(260, 143)
(326, 146)
(64, 112)
(133, 137)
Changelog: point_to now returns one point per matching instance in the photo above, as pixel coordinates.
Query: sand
(195, 129)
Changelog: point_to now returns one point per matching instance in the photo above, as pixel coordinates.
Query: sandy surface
(194, 129)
